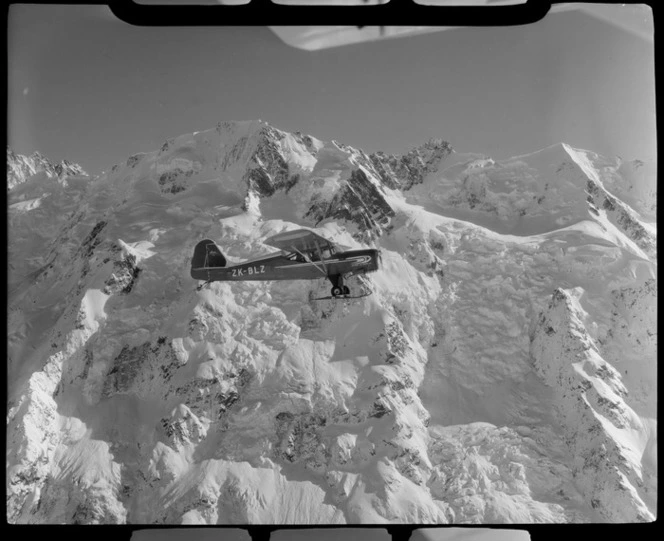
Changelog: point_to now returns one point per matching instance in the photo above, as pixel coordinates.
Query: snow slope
(502, 370)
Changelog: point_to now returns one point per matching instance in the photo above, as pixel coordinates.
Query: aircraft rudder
(207, 254)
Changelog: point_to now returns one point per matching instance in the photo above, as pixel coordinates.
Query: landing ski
(340, 297)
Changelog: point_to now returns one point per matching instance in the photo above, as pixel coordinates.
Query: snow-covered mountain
(502, 371)
(21, 168)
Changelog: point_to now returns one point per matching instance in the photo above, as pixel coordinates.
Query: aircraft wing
(299, 239)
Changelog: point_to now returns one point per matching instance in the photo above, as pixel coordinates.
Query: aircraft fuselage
(283, 267)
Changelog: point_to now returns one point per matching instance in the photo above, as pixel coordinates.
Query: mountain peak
(436, 142)
(244, 127)
(21, 168)
(561, 149)
(409, 169)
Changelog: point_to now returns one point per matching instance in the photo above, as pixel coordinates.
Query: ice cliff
(502, 371)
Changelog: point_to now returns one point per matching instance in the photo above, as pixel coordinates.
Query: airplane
(304, 255)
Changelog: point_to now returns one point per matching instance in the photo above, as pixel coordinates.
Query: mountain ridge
(435, 400)
(20, 168)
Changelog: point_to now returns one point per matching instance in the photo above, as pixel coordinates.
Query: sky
(84, 86)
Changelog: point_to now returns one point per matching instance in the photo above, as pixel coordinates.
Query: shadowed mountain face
(502, 371)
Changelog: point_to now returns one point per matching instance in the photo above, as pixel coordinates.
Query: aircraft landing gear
(340, 291)
(203, 285)
(338, 287)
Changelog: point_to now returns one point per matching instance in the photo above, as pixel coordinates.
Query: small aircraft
(304, 255)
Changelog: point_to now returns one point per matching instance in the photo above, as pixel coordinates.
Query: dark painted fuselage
(289, 267)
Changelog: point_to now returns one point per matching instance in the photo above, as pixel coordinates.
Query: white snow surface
(502, 371)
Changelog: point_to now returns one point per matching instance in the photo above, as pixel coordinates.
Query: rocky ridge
(592, 400)
(20, 168)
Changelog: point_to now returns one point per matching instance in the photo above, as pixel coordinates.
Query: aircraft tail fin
(206, 254)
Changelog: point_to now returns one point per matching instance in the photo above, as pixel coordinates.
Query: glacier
(503, 371)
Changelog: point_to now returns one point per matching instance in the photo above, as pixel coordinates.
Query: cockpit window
(296, 257)
(313, 256)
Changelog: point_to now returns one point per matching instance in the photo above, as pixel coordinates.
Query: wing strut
(320, 255)
(308, 260)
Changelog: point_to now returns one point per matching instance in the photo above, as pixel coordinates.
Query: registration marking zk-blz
(249, 271)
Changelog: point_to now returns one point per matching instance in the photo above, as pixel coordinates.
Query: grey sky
(87, 87)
